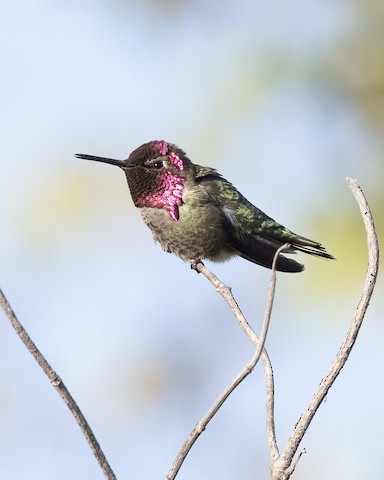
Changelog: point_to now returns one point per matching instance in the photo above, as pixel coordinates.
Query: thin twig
(284, 466)
(226, 293)
(59, 386)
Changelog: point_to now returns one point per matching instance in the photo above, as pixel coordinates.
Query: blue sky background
(284, 99)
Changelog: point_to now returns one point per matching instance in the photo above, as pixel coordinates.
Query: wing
(251, 233)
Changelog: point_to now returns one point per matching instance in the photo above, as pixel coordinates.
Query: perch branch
(284, 466)
(260, 352)
(59, 386)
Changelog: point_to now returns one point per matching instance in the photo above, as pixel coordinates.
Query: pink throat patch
(168, 196)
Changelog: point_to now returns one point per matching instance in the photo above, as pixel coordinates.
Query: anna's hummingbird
(197, 214)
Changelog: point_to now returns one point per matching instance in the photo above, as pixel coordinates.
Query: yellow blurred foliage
(56, 207)
(342, 233)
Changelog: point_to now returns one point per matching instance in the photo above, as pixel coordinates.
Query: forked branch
(260, 352)
(283, 467)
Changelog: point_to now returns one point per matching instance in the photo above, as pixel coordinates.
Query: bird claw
(194, 265)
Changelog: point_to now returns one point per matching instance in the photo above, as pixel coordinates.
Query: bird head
(156, 173)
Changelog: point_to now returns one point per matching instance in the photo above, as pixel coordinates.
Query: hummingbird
(197, 214)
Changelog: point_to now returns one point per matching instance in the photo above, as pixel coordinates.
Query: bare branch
(59, 386)
(284, 466)
(260, 352)
(226, 293)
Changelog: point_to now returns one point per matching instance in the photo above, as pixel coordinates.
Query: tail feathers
(283, 263)
(303, 244)
(262, 251)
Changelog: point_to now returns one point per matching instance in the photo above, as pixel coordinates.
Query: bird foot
(194, 265)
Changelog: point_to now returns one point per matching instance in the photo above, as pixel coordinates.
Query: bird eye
(158, 164)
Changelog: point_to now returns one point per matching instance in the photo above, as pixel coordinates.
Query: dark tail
(303, 244)
(261, 250)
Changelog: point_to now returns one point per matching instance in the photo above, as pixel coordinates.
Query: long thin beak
(118, 163)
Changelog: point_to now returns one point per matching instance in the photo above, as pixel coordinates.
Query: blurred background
(285, 99)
